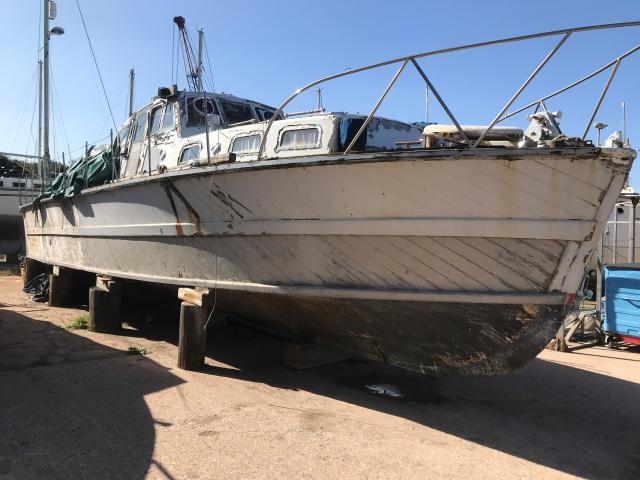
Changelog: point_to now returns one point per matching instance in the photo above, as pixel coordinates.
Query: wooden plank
(196, 296)
(484, 267)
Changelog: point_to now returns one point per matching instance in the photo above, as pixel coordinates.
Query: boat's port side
(417, 243)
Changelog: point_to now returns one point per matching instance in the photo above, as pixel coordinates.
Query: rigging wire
(173, 47)
(209, 70)
(33, 137)
(177, 60)
(17, 126)
(57, 116)
(94, 142)
(26, 95)
(106, 121)
(104, 90)
(56, 99)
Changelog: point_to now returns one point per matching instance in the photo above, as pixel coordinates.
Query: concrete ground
(74, 404)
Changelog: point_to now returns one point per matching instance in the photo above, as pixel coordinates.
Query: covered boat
(445, 249)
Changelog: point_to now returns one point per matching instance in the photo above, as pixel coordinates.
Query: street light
(600, 126)
(56, 31)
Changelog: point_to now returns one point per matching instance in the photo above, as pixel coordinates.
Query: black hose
(38, 287)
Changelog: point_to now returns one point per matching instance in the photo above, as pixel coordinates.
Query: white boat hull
(437, 261)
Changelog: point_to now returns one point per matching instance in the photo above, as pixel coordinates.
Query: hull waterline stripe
(340, 293)
(556, 229)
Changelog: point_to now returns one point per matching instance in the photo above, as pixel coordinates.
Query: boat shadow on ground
(576, 421)
(71, 407)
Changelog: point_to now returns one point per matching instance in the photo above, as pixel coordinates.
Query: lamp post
(599, 126)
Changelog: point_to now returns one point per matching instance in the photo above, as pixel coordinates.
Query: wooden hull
(440, 262)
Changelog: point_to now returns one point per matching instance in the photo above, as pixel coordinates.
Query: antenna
(625, 140)
(426, 105)
(319, 106)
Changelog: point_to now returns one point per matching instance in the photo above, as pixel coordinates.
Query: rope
(104, 90)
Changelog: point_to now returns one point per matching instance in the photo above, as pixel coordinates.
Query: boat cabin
(171, 132)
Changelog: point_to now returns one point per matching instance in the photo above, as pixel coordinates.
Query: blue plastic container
(622, 305)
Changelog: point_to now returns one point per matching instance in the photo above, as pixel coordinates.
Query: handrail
(411, 58)
(574, 84)
(523, 86)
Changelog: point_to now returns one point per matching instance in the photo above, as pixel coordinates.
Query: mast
(49, 11)
(39, 148)
(132, 77)
(44, 167)
(199, 68)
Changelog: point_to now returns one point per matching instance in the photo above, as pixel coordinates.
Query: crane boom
(193, 67)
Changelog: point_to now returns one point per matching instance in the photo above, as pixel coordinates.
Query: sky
(265, 50)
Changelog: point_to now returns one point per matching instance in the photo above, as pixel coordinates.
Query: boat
(441, 249)
(17, 187)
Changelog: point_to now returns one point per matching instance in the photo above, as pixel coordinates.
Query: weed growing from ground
(138, 350)
(81, 322)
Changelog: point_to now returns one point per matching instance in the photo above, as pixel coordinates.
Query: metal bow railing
(502, 115)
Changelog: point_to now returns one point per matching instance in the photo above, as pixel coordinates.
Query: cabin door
(162, 135)
(133, 158)
(150, 142)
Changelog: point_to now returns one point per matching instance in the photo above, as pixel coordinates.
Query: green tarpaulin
(93, 169)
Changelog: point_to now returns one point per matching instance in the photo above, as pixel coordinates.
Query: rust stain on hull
(170, 189)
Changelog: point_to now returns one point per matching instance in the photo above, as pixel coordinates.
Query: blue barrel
(622, 305)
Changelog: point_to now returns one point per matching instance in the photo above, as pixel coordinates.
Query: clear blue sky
(265, 50)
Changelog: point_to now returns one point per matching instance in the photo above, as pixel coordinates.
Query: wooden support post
(61, 287)
(194, 313)
(192, 343)
(105, 306)
(32, 268)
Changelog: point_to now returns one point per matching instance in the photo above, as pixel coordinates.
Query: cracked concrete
(74, 404)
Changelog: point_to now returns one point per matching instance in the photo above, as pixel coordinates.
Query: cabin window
(246, 144)
(300, 138)
(235, 112)
(140, 121)
(19, 184)
(37, 185)
(168, 122)
(155, 120)
(196, 107)
(265, 114)
(123, 134)
(192, 152)
(1, 183)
